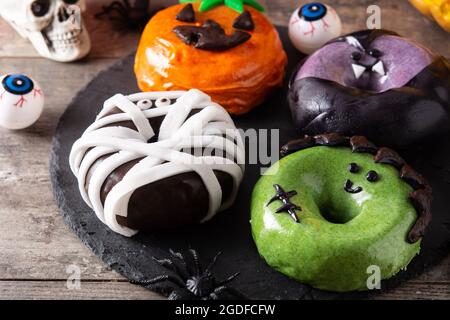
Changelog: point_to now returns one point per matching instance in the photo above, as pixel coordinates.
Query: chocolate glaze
(421, 197)
(413, 178)
(366, 37)
(187, 14)
(421, 200)
(296, 145)
(353, 167)
(348, 187)
(417, 112)
(372, 176)
(287, 206)
(210, 36)
(361, 144)
(389, 156)
(331, 139)
(244, 22)
(167, 203)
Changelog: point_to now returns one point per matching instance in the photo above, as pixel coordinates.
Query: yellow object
(437, 9)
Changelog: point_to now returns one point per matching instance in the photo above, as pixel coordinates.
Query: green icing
(340, 234)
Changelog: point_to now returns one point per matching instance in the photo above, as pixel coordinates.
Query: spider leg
(114, 6)
(194, 254)
(181, 258)
(119, 19)
(127, 4)
(230, 278)
(107, 8)
(211, 296)
(158, 279)
(213, 262)
(169, 264)
(215, 295)
(121, 9)
(141, 4)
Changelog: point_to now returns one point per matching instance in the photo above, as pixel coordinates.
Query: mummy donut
(158, 160)
(21, 101)
(313, 25)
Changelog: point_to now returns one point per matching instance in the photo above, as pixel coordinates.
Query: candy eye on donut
(162, 102)
(372, 176)
(353, 167)
(375, 53)
(145, 104)
(356, 55)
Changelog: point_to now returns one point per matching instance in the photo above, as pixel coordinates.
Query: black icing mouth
(348, 187)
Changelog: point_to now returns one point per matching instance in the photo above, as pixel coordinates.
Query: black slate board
(228, 231)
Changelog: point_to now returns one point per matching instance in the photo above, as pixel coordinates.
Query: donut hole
(338, 213)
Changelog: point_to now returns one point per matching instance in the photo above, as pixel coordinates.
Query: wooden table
(36, 247)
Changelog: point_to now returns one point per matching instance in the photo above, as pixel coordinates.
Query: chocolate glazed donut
(164, 204)
(149, 162)
(168, 203)
(373, 83)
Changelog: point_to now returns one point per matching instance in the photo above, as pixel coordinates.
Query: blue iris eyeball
(312, 11)
(18, 84)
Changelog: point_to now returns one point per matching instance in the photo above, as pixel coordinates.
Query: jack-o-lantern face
(210, 35)
(236, 58)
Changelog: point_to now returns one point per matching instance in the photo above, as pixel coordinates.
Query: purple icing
(401, 60)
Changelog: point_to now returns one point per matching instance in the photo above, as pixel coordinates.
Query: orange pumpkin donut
(238, 78)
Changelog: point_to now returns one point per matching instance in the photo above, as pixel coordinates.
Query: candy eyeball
(162, 102)
(145, 104)
(313, 25)
(21, 101)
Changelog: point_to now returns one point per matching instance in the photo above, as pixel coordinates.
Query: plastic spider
(132, 15)
(196, 284)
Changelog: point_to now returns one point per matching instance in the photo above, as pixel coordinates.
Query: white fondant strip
(211, 129)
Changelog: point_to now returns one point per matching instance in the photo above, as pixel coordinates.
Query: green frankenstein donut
(334, 206)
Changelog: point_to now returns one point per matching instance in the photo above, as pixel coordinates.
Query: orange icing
(239, 78)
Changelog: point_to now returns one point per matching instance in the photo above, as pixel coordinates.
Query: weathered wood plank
(89, 290)
(108, 42)
(34, 241)
(418, 291)
(122, 290)
(36, 245)
(398, 16)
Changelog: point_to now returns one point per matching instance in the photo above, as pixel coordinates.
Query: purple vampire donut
(374, 83)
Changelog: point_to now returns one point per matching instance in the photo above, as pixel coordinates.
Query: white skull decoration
(54, 27)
